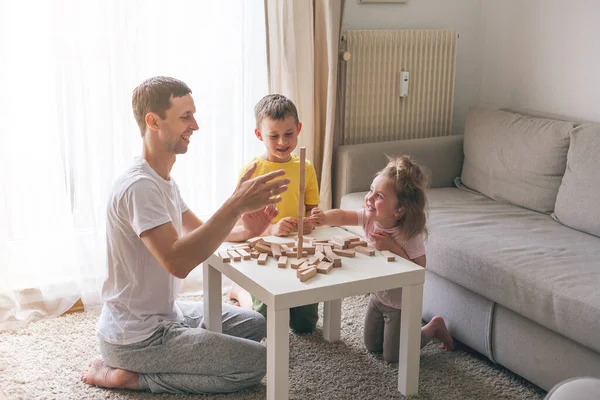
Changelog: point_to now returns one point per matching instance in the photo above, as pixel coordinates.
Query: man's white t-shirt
(138, 293)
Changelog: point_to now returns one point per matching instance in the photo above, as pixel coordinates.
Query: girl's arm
(333, 217)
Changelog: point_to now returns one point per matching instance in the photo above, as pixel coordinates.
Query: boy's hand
(383, 241)
(307, 227)
(316, 217)
(284, 226)
(255, 223)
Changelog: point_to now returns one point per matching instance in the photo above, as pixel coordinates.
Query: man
(148, 341)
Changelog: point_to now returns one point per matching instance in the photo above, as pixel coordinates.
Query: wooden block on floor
(262, 259)
(389, 255)
(358, 243)
(324, 267)
(308, 274)
(234, 255)
(297, 263)
(344, 253)
(245, 255)
(282, 262)
(365, 250)
(224, 256)
(276, 249)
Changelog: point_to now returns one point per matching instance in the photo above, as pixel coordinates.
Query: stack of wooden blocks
(317, 256)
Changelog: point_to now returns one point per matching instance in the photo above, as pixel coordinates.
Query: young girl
(393, 218)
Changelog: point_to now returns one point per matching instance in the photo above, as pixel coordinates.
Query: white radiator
(373, 109)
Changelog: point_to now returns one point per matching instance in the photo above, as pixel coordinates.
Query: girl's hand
(316, 217)
(383, 241)
(284, 226)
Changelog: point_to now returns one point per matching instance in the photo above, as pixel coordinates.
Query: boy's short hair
(154, 95)
(276, 107)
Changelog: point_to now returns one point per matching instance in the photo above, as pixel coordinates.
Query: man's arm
(180, 255)
(190, 221)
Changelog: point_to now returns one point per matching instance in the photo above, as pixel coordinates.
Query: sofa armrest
(355, 165)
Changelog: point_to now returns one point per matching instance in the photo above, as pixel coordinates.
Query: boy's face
(280, 137)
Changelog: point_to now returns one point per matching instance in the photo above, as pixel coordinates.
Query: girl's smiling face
(381, 202)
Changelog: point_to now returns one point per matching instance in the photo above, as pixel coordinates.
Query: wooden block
(340, 241)
(285, 248)
(313, 260)
(253, 241)
(240, 246)
(282, 262)
(303, 268)
(352, 238)
(320, 241)
(308, 274)
(332, 257)
(255, 254)
(320, 255)
(319, 248)
(262, 259)
(294, 254)
(324, 267)
(358, 243)
(263, 248)
(344, 253)
(305, 265)
(309, 249)
(326, 248)
(276, 249)
(234, 255)
(297, 263)
(389, 255)
(224, 256)
(245, 255)
(365, 250)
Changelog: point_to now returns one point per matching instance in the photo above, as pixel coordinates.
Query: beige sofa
(513, 256)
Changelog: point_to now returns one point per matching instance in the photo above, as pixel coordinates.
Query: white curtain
(303, 47)
(67, 72)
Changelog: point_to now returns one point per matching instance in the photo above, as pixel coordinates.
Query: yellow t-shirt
(288, 206)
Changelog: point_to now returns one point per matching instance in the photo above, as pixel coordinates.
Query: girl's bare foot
(100, 374)
(436, 328)
(233, 302)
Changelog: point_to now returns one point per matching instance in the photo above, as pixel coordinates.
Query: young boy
(278, 127)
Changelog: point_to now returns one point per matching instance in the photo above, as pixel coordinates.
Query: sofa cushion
(578, 200)
(515, 158)
(520, 259)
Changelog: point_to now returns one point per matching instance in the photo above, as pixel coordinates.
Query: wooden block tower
(301, 206)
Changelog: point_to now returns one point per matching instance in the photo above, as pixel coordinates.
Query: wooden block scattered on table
(262, 259)
(245, 255)
(276, 250)
(352, 238)
(263, 248)
(305, 264)
(240, 246)
(234, 255)
(313, 260)
(324, 267)
(282, 262)
(308, 274)
(319, 255)
(297, 263)
(326, 248)
(255, 254)
(224, 256)
(357, 243)
(344, 253)
(320, 241)
(332, 257)
(253, 241)
(319, 248)
(389, 255)
(303, 268)
(285, 248)
(365, 250)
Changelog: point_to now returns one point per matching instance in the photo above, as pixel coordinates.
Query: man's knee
(304, 319)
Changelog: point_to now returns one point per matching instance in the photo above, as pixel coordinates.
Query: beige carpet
(45, 359)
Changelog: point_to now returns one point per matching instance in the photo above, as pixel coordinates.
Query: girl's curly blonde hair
(410, 181)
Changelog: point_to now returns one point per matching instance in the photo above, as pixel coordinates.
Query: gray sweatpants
(186, 358)
(382, 330)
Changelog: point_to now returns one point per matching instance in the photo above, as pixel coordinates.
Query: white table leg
(410, 340)
(278, 353)
(213, 310)
(332, 320)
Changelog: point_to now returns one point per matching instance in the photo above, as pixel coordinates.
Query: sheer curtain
(67, 72)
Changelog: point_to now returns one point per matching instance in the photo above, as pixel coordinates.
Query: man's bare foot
(436, 328)
(100, 374)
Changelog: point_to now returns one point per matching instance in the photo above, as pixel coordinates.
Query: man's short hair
(276, 107)
(154, 95)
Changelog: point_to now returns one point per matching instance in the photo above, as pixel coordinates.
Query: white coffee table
(280, 290)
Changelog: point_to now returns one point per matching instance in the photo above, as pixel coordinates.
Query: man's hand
(316, 217)
(255, 223)
(254, 194)
(284, 226)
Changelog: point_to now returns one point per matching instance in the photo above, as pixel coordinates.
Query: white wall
(462, 15)
(542, 55)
